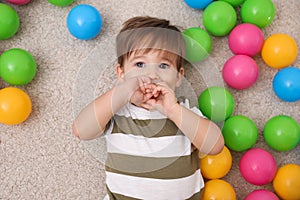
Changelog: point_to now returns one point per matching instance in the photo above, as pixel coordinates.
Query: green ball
(216, 103)
(258, 12)
(198, 44)
(219, 18)
(234, 3)
(17, 66)
(240, 133)
(9, 22)
(61, 3)
(282, 133)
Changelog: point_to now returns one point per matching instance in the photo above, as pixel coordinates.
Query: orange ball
(218, 189)
(15, 106)
(216, 166)
(287, 181)
(279, 50)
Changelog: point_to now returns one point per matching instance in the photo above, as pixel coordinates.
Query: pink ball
(258, 166)
(240, 72)
(246, 39)
(261, 194)
(18, 2)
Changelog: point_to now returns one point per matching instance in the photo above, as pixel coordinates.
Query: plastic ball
(261, 194)
(246, 39)
(216, 166)
(61, 2)
(9, 21)
(84, 22)
(258, 166)
(234, 3)
(240, 133)
(279, 50)
(219, 18)
(258, 12)
(196, 4)
(15, 106)
(286, 182)
(17, 66)
(282, 133)
(286, 84)
(218, 189)
(216, 103)
(198, 44)
(240, 72)
(18, 2)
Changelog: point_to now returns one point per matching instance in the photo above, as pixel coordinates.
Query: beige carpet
(41, 159)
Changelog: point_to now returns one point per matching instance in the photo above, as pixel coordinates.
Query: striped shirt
(150, 158)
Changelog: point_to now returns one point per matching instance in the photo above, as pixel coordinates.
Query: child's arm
(203, 133)
(92, 120)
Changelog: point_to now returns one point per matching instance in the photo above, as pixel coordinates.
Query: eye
(140, 64)
(163, 66)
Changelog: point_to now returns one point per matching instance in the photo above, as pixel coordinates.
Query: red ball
(240, 72)
(246, 39)
(258, 166)
(18, 2)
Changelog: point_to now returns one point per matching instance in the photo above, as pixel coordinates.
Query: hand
(163, 98)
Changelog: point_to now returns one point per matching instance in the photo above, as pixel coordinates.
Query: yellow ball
(15, 106)
(218, 189)
(287, 181)
(216, 166)
(279, 50)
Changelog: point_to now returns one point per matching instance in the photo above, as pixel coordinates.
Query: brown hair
(144, 34)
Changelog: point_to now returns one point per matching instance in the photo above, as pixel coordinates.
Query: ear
(120, 72)
(180, 75)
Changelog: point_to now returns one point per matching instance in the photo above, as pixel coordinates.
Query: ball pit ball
(282, 133)
(198, 44)
(240, 72)
(234, 3)
(9, 21)
(286, 84)
(279, 50)
(246, 39)
(18, 2)
(84, 22)
(218, 189)
(258, 12)
(261, 194)
(216, 166)
(219, 18)
(216, 103)
(17, 66)
(196, 4)
(240, 133)
(258, 166)
(286, 182)
(15, 106)
(61, 3)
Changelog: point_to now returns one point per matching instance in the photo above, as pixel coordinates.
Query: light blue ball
(286, 84)
(84, 22)
(198, 4)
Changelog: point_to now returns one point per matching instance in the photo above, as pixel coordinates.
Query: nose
(152, 71)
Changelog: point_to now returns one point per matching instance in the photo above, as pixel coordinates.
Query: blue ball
(198, 4)
(84, 22)
(286, 84)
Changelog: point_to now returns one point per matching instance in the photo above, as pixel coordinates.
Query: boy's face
(158, 65)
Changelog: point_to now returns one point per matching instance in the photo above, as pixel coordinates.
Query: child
(153, 141)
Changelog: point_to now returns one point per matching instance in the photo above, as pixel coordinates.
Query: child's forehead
(161, 53)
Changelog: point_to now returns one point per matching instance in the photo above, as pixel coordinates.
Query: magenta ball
(246, 39)
(240, 72)
(18, 2)
(261, 194)
(258, 166)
